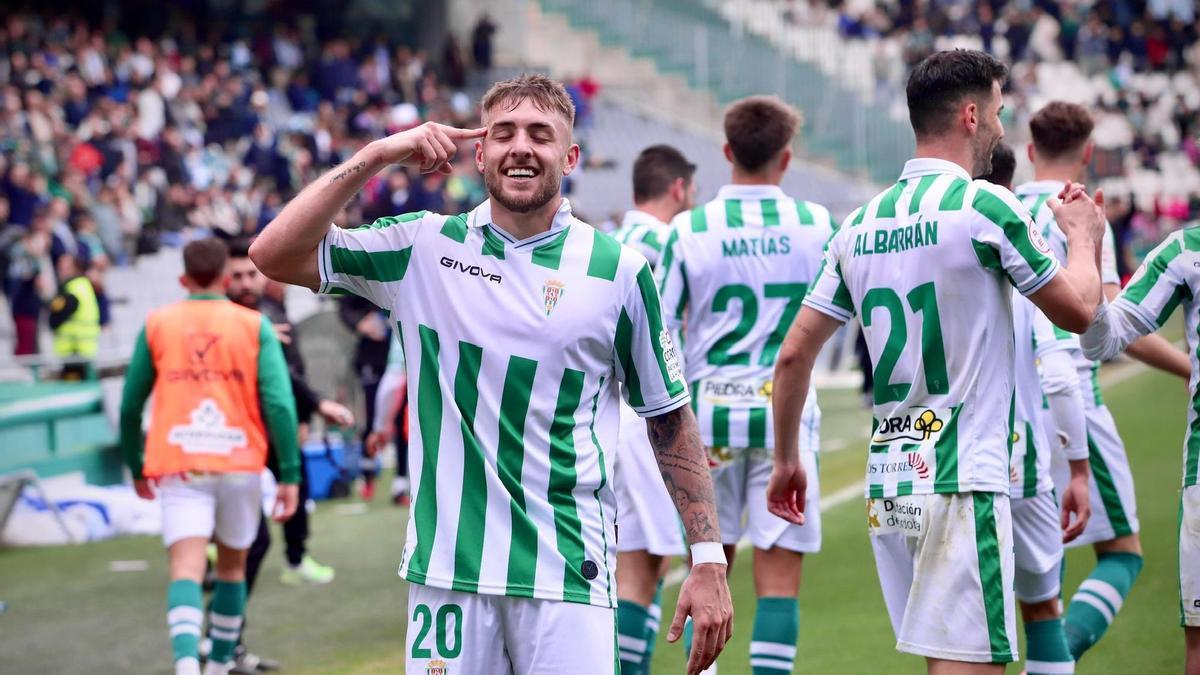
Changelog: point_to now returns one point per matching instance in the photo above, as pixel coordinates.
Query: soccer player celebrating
(221, 395)
(928, 265)
(662, 187)
(1043, 363)
(733, 274)
(1169, 276)
(1060, 151)
(518, 323)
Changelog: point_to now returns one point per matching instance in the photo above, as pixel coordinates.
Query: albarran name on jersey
(900, 239)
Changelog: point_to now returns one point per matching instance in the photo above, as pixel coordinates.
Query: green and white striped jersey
(733, 275)
(645, 233)
(1034, 196)
(928, 265)
(1032, 440)
(516, 351)
(1169, 277)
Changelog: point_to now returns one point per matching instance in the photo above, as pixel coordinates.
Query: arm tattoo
(681, 458)
(345, 173)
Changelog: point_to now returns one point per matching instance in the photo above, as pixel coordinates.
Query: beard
(547, 189)
(983, 155)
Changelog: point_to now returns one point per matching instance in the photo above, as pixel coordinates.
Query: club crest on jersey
(437, 667)
(1035, 236)
(552, 292)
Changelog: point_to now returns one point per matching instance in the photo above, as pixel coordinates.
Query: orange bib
(205, 415)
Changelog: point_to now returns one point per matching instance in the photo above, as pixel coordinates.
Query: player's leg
(637, 584)
(570, 637)
(1189, 574)
(1037, 548)
(654, 620)
(238, 515)
(451, 632)
(188, 509)
(1113, 529)
(961, 613)
(779, 549)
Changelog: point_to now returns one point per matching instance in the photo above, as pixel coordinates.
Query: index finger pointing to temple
(458, 134)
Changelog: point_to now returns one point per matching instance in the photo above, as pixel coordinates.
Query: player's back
(927, 265)
(738, 267)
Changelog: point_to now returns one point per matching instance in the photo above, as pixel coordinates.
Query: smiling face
(525, 154)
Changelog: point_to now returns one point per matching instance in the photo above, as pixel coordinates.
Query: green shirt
(274, 398)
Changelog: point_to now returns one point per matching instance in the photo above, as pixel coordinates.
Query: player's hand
(144, 488)
(283, 331)
(335, 413)
(372, 326)
(1077, 501)
(787, 490)
(287, 495)
(704, 596)
(429, 147)
(377, 441)
(1075, 211)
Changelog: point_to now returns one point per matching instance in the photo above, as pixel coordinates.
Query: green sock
(1099, 598)
(653, 622)
(225, 620)
(773, 640)
(1046, 648)
(184, 618)
(631, 637)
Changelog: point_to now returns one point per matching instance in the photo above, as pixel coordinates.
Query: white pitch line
(846, 494)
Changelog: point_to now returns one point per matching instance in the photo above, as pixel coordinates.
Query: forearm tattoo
(681, 458)
(346, 173)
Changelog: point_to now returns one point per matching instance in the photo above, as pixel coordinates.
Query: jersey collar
(1040, 187)
(482, 217)
(928, 166)
(635, 217)
(751, 192)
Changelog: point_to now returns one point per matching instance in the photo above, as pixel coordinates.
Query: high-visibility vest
(80, 334)
(206, 415)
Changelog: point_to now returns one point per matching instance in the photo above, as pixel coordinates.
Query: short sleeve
(368, 261)
(1158, 286)
(1005, 226)
(829, 293)
(672, 279)
(646, 360)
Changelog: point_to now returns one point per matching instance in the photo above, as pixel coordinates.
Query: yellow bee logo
(767, 389)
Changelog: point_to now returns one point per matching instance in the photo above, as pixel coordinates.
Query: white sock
(400, 485)
(187, 666)
(214, 668)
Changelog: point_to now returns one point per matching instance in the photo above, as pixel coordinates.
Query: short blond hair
(546, 94)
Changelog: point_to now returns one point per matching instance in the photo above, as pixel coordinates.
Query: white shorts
(1189, 556)
(225, 505)
(450, 632)
(647, 519)
(740, 477)
(949, 591)
(1037, 547)
(1114, 507)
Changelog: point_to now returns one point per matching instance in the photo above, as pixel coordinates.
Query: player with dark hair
(662, 187)
(221, 397)
(929, 266)
(733, 274)
(1061, 150)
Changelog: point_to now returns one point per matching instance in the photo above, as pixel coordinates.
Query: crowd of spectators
(114, 144)
(1135, 63)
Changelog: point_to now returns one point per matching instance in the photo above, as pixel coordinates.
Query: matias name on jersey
(743, 247)
(898, 240)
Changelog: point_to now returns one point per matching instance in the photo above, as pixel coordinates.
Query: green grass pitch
(68, 613)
